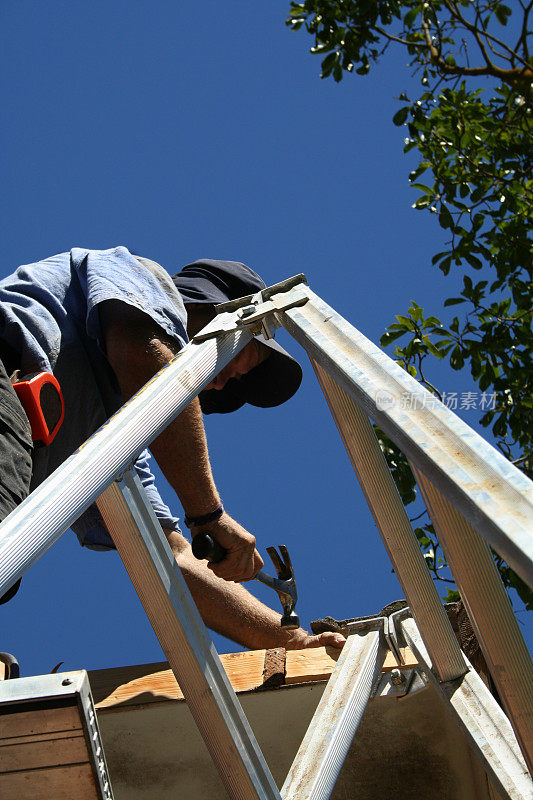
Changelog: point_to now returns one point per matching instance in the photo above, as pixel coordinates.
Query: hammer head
(285, 586)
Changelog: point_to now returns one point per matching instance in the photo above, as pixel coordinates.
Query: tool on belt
(41, 398)
(204, 546)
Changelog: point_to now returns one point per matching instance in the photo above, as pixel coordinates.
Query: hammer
(204, 546)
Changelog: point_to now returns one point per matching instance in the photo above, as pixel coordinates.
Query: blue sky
(186, 130)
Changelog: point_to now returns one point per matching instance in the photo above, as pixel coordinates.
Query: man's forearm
(181, 452)
(229, 609)
(137, 349)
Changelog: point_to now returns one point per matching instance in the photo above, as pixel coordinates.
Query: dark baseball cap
(273, 381)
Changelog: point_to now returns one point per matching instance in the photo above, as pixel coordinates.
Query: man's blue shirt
(49, 316)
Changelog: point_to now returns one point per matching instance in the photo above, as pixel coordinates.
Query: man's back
(49, 318)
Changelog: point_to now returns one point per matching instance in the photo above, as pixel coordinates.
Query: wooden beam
(318, 663)
(247, 671)
(151, 683)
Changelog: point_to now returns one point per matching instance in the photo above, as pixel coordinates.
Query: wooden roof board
(247, 671)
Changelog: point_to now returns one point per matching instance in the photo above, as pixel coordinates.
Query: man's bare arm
(229, 609)
(137, 348)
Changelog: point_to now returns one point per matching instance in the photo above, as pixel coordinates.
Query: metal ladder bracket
(398, 682)
(256, 312)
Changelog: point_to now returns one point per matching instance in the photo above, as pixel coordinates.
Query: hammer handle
(204, 546)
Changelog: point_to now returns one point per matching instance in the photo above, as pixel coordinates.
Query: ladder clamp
(252, 311)
(400, 681)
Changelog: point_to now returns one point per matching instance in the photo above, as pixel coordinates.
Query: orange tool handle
(42, 400)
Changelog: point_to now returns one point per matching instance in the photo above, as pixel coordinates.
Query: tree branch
(397, 39)
(414, 519)
(437, 26)
(477, 34)
(513, 75)
(522, 39)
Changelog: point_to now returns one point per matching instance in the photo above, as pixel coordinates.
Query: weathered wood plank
(35, 722)
(60, 783)
(28, 753)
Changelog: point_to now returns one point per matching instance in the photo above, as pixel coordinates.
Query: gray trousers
(15, 455)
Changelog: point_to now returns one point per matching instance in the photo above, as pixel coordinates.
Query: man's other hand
(301, 640)
(242, 561)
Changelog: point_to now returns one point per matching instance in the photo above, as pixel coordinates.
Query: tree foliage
(471, 124)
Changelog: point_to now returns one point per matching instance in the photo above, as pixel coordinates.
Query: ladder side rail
(393, 524)
(52, 507)
(482, 720)
(486, 488)
(329, 736)
(191, 654)
(489, 610)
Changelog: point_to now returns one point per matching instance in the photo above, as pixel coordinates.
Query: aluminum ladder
(475, 497)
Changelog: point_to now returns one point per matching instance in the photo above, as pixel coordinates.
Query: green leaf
(422, 202)
(438, 256)
(445, 265)
(416, 312)
(400, 116)
(456, 358)
(445, 218)
(473, 261)
(453, 301)
(432, 322)
(431, 347)
(523, 590)
(452, 596)
(406, 322)
(502, 13)
(422, 188)
(391, 336)
(411, 16)
(328, 64)
(500, 426)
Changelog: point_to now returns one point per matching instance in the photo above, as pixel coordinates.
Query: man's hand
(301, 640)
(242, 561)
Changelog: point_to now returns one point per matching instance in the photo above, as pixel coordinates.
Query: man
(104, 322)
